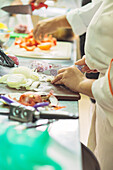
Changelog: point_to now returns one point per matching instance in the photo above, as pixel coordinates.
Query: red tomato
(45, 46)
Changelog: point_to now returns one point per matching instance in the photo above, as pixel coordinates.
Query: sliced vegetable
(23, 77)
(18, 41)
(59, 107)
(29, 83)
(30, 48)
(29, 43)
(45, 46)
(30, 98)
(34, 76)
(33, 85)
(3, 79)
(27, 72)
(36, 99)
(16, 80)
(50, 39)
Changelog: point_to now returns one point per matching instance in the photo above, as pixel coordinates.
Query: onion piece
(16, 80)
(34, 85)
(3, 79)
(53, 100)
(22, 70)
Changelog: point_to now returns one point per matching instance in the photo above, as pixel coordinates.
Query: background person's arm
(77, 19)
(80, 18)
(49, 26)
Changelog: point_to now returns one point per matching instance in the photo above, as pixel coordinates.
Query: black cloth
(89, 161)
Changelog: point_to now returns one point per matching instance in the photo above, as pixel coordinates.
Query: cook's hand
(37, 1)
(43, 27)
(85, 68)
(49, 26)
(71, 77)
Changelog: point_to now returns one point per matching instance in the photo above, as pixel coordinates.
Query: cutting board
(62, 51)
(61, 92)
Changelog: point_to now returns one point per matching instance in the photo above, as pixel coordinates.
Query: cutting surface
(61, 92)
(61, 51)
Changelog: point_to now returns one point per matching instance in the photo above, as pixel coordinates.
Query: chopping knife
(23, 9)
(54, 71)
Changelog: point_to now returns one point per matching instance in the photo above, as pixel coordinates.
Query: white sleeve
(102, 90)
(80, 18)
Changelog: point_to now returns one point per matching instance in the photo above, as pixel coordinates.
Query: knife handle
(33, 6)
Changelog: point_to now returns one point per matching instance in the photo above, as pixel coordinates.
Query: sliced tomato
(29, 43)
(59, 107)
(54, 41)
(22, 45)
(18, 41)
(45, 46)
(30, 98)
(29, 48)
(38, 42)
(50, 39)
(30, 35)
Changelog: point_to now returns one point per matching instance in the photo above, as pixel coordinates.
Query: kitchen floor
(85, 110)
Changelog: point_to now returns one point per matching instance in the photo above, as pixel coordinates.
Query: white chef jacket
(80, 18)
(99, 55)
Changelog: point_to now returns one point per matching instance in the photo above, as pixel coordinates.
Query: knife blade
(23, 9)
(51, 72)
(54, 71)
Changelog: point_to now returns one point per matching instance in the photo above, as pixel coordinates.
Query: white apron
(99, 54)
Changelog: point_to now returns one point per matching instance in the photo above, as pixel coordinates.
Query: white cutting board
(61, 51)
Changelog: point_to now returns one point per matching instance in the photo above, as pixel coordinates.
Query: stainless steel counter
(66, 148)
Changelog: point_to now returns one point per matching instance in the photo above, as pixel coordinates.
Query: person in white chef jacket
(98, 56)
(78, 19)
(12, 21)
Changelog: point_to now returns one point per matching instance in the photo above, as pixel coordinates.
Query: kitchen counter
(66, 148)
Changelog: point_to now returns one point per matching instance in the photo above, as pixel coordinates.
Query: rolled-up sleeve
(102, 90)
(80, 18)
